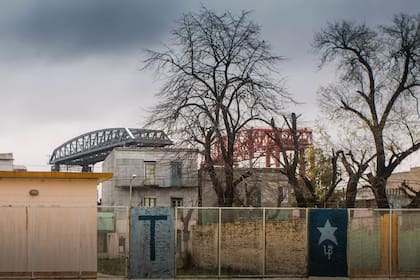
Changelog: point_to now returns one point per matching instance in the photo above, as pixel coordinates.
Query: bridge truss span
(92, 147)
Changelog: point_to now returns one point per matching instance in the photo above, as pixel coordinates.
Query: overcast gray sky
(70, 67)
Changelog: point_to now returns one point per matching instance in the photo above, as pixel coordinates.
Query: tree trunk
(313, 200)
(298, 192)
(229, 190)
(378, 186)
(216, 185)
(351, 193)
(186, 256)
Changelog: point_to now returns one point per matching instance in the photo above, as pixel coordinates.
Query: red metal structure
(255, 143)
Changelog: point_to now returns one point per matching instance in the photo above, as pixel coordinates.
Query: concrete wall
(152, 243)
(48, 224)
(264, 187)
(124, 162)
(54, 192)
(411, 177)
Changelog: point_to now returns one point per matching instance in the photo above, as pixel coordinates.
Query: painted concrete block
(152, 243)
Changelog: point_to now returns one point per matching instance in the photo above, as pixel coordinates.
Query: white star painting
(327, 233)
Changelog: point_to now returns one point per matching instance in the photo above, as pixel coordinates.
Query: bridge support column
(86, 168)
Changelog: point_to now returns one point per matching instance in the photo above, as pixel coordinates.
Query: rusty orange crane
(254, 143)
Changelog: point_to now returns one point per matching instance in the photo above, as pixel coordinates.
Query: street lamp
(131, 186)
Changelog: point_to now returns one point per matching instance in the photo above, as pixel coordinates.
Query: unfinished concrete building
(261, 187)
(151, 176)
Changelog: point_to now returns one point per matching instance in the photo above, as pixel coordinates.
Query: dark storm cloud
(64, 29)
(81, 27)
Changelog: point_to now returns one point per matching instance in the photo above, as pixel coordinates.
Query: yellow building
(48, 224)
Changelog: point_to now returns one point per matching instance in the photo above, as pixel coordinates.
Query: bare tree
(412, 194)
(293, 167)
(218, 78)
(289, 163)
(377, 90)
(322, 177)
(355, 170)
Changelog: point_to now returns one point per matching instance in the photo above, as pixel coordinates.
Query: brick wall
(242, 247)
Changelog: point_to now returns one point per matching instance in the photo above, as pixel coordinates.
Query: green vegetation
(113, 266)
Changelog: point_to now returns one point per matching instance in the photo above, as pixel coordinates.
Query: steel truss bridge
(92, 147)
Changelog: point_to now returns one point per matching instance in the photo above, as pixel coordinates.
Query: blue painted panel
(327, 242)
(152, 243)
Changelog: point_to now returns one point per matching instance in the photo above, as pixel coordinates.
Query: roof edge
(100, 177)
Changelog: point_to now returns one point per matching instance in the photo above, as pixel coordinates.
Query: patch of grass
(112, 266)
(185, 266)
(195, 271)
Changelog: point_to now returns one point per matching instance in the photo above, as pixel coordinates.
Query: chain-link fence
(273, 242)
(113, 240)
(406, 237)
(42, 242)
(364, 242)
(384, 242)
(241, 242)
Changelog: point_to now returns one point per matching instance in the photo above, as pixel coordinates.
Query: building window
(121, 244)
(176, 173)
(176, 201)
(150, 201)
(150, 172)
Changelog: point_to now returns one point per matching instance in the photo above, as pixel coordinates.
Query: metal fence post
(390, 244)
(263, 241)
(219, 243)
(175, 235)
(348, 239)
(127, 259)
(307, 239)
